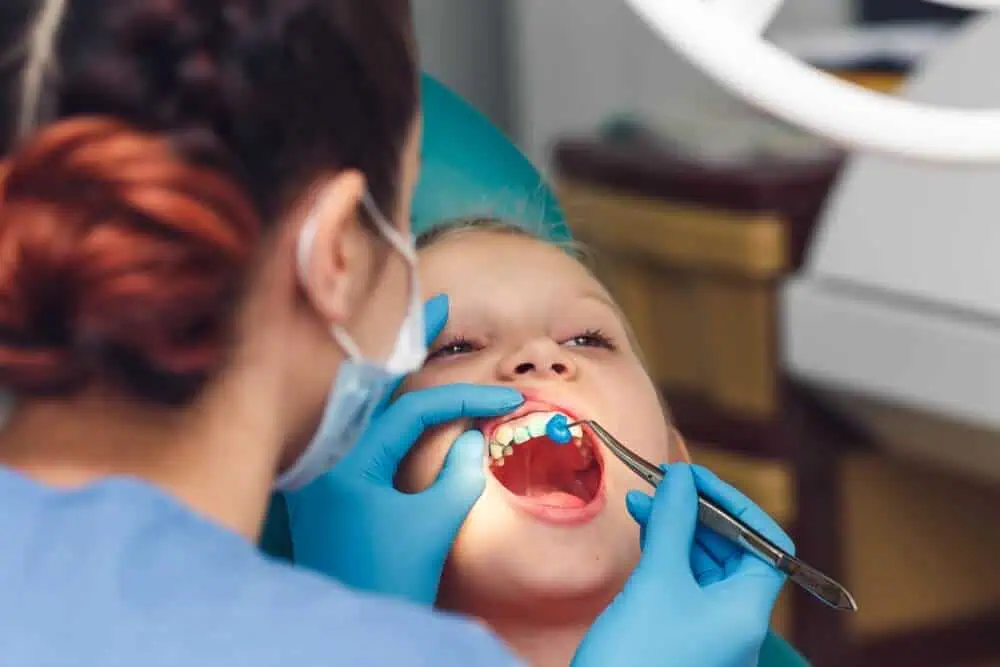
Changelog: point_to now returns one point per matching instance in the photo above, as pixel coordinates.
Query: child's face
(551, 524)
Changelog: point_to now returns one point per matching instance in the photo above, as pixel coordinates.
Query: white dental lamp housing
(896, 316)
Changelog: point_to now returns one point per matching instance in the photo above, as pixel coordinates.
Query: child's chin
(526, 584)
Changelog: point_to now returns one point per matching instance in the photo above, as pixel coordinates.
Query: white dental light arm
(753, 15)
(722, 37)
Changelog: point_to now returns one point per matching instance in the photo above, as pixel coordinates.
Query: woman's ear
(335, 254)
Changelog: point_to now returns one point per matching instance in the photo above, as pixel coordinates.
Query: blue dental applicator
(557, 430)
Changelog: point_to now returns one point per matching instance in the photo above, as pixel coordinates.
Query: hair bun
(119, 261)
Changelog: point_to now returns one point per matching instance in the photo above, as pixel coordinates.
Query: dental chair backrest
(471, 169)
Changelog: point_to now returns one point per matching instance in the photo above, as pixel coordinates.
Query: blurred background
(824, 325)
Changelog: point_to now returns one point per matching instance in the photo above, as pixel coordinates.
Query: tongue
(549, 474)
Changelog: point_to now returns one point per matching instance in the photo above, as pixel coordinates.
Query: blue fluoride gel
(558, 430)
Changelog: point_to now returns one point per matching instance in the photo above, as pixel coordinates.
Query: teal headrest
(471, 169)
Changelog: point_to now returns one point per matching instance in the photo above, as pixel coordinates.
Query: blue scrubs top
(119, 574)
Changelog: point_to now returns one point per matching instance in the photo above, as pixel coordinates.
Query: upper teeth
(520, 430)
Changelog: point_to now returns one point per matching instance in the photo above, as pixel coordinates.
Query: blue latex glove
(695, 599)
(353, 525)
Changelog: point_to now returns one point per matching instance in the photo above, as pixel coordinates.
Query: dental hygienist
(204, 257)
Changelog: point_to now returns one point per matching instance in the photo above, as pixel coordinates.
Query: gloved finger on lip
(462, 469)
(401, 425)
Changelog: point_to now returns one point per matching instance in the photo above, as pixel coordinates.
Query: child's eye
(591, 338)
(453, 347)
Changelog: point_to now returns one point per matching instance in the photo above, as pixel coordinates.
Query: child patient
(549, 543)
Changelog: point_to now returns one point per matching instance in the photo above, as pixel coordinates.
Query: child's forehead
(497, 268)
(501, 252)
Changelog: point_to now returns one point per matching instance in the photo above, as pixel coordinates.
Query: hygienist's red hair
(151, 150)
(119, 262)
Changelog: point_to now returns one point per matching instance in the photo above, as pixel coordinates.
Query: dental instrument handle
(718, 519)
(809, 578)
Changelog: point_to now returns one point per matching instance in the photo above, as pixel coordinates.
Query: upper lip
(532, 403)
(526, 408)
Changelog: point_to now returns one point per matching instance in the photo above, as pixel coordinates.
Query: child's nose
(540, 359)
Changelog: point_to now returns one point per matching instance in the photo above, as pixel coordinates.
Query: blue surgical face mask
(360, 384)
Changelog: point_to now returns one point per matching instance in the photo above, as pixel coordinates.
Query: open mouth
(535, 468)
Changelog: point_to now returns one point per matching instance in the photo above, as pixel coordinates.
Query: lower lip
(559, 508)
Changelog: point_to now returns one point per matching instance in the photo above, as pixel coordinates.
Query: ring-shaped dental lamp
(723, 38)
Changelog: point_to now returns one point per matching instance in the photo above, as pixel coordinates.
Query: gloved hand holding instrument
(695, 599)
(716, 517)
(711, 556)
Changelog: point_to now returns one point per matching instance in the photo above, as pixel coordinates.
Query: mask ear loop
(413, 323)
(397, 240)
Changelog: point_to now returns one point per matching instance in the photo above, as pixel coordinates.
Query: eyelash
(461, 345)
(592, 338)
(449, 349)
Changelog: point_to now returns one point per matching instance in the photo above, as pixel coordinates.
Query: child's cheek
(421, 466)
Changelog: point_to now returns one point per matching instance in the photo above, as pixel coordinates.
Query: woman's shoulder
(140, 579)
(360, 629)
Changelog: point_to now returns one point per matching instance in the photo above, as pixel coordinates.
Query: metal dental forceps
(709, 513)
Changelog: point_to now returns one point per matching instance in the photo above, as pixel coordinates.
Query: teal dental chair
(470, 169)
